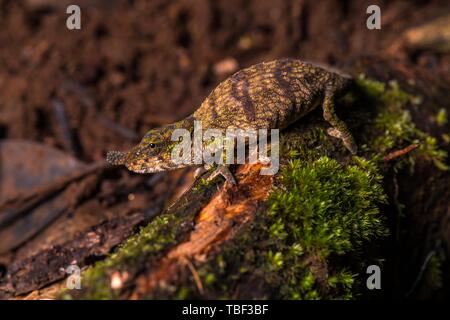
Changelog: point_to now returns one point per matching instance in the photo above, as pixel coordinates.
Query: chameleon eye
(152, 145)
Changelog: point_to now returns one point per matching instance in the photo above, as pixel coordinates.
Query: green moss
(324, 200)
(152, 239)
(441, 117)
(446, 138)
(392, 127)
(434, 273)
(323, 209)
(183, 293)
(320, 210)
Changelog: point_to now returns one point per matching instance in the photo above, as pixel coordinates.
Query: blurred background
(69, 96)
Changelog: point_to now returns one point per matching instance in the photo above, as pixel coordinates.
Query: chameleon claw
(346, 140)
(199, 172)
(116, 157)
(224, 172)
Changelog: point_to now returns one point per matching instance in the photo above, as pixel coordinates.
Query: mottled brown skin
(269, 95)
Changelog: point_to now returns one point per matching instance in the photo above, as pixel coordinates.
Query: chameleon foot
(199, 172)
(224, 172)
(348, 141)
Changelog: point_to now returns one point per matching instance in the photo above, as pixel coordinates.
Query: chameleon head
(152, 154)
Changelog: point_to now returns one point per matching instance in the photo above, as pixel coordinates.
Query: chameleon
(267, 95)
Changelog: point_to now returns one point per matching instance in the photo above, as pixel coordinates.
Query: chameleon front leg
(222, 170)
(339, 128)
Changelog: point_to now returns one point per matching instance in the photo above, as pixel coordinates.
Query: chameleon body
(269, 95)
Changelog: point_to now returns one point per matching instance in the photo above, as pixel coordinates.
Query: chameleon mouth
(146, 166)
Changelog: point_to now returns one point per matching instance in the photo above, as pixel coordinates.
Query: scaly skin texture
(268, 95)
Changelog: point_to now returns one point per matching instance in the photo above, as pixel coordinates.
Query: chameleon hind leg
(339, 128)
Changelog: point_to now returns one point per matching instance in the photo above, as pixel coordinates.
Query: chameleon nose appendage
(116, 157)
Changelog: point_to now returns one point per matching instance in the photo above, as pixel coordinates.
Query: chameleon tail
(116, 157)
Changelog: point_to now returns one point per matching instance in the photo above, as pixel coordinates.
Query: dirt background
(138, 64)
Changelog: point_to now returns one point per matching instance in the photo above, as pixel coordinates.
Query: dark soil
(135, 65)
